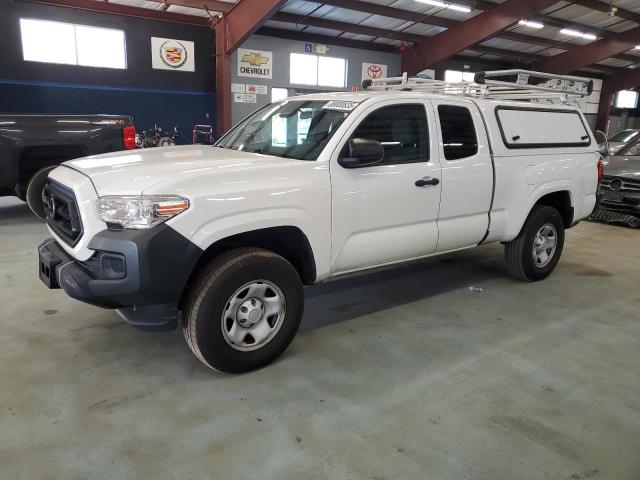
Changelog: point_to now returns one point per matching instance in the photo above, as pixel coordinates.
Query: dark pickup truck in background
(32, 145)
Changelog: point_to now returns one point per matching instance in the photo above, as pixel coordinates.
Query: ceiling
(410, 21)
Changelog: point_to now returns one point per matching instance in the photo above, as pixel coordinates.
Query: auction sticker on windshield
(340, 105)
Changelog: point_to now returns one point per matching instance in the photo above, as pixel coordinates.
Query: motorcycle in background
(156, 137)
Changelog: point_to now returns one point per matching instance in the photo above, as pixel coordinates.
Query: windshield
(290, 129)
(632, 149)
(624, 136)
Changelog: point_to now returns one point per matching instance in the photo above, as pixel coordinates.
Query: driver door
(387, 212)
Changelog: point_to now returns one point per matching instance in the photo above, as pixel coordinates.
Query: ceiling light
(452, 6)
(530, 23)
(459, 8)
(637, 47)
(576, 33)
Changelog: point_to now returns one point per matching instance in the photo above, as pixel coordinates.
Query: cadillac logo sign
(173, 53)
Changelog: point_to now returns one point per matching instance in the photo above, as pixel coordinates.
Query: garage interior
(442, 368)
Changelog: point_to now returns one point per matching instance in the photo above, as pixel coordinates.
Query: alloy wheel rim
(545, 244)
(253, 315)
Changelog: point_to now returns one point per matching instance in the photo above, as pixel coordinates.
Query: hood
(133, 172)
(623, 166)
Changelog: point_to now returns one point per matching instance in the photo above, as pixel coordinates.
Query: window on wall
(318, 70)
(458, 76)
(70, 44)
(278, 94)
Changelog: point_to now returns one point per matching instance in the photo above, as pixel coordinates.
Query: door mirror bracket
(363, 153)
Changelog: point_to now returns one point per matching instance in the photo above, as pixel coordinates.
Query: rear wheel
(536, 251)
(33, 195)
(243, 311)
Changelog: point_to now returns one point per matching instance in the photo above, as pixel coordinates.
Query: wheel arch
(562, 201)
(288, 241)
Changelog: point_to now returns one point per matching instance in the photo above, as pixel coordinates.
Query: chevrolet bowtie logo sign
(254, 63)
(255, 59)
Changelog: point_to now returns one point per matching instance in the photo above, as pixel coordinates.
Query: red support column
(604, 108)
(235, 26)
(610, 87)
(223, 79)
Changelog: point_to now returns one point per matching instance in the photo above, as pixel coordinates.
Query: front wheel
(243, 311)
(536, 251)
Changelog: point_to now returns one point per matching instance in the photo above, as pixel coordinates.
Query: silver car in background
(618, 141)
(619, 192)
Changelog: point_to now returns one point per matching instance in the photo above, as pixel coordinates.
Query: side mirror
(603, 143)
(363, 153)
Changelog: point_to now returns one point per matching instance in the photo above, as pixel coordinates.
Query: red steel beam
(431, 20)
(235, 26)
(244, 18)
(613, 84)
(584, 55)
(468, 33)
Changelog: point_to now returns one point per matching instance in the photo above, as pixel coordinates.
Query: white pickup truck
(224, 237)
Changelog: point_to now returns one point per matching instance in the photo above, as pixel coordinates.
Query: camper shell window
(527, 127)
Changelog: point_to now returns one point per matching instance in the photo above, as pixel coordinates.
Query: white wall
(281, 49)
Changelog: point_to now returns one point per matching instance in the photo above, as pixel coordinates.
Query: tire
(34, 191)
(212, 316)
(520, 254)
(166, 142)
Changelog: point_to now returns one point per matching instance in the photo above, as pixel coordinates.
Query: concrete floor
(399, 374)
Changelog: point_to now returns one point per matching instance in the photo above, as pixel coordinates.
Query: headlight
(140, 212)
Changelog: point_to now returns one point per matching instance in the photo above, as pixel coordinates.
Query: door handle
(427, 181)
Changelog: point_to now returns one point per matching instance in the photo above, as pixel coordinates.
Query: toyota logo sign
(374, 71)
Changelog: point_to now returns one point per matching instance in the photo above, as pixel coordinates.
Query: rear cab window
(459, 137)
(531, 127)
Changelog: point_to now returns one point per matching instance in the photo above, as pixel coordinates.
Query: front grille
(61, 212)
(625, 185)
(620, 194)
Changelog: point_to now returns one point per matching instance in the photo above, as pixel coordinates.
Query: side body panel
(467, 187)
(379, 214)
(283, 193)
(524, 175)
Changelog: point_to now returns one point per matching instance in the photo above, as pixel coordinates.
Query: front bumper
(628, 203)
(141, 273)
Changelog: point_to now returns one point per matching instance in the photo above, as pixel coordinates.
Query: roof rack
(524, 85)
